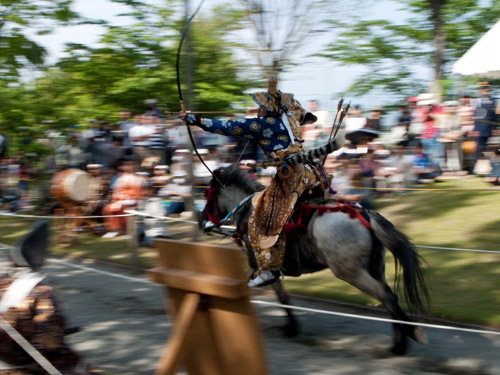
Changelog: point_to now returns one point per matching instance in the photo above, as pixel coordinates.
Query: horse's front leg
(292, 326)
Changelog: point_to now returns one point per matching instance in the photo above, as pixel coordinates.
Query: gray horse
(352, 248)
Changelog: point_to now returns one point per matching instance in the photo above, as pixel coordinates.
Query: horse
(351, 245)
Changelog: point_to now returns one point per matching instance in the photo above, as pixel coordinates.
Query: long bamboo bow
(179, 89)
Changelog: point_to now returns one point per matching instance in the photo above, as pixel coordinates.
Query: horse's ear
(219, 174)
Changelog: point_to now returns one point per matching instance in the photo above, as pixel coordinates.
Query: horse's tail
(416, 286)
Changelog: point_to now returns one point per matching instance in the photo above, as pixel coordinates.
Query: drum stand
(67, 229)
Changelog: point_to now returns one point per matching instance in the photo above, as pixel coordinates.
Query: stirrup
(264, 278)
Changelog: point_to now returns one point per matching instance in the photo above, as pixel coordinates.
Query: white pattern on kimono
(268, 133)
(208, 123)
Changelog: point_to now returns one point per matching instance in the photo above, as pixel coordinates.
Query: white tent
(483, 58)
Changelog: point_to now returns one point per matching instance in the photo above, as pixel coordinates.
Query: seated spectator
(160, 176)
(349, 186)
(153, 226)
(176, 192)
(395, 172)
(127, 190)
(422, 166)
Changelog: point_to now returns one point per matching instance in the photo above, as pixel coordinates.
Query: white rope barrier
(354, 316)
(373, 318)
(232, 227)
(173, 219)
(102, 272)
(61, 217)
(129, 213)
(457, 249)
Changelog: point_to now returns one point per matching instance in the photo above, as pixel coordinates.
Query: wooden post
(215, 331)
(133, 239)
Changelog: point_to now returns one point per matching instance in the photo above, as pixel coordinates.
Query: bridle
(215, 219)
(213, 205)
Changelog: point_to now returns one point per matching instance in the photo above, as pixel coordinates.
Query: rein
(215, 220)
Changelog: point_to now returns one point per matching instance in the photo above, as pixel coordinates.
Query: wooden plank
(205, 258)
(173, 351)
(223, 337)
(200, 283)
(202, 356)
(237, 335)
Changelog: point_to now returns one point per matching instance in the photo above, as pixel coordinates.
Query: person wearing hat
(152, 108)
(29, 305)
(277, 131)
(484, 118)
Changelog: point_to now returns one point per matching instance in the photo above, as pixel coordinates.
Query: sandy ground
(124, 328)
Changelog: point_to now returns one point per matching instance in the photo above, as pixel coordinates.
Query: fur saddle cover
(301, 254)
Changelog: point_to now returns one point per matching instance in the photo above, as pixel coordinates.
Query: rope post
(133, 240)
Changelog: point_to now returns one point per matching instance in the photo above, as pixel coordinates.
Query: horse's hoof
(290, 330)
(420, 336)
(400, 348)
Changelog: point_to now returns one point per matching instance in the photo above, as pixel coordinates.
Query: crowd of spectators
(430, 140)
(142, 161)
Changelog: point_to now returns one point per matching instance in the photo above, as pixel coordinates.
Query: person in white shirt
(396, 171)
(139, 135)
(355, 120)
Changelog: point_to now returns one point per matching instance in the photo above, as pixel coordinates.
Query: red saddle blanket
(306, 212)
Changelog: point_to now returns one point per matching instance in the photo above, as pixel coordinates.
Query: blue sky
(313, 78)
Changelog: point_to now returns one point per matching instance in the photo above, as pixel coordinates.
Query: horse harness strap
(214, 220)
(307, 210)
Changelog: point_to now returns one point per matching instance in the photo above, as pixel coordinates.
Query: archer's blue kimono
(269, 132)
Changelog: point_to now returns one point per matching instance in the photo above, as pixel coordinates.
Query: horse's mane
(235, 176)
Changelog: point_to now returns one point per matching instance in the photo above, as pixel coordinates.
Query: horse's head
(221, 199)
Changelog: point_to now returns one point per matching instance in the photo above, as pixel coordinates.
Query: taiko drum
(71, 185)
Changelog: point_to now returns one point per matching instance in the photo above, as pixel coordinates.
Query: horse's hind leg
(382, 292)
(401, 331)
(291, 328)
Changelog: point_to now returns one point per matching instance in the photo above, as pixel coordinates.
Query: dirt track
(124, 327)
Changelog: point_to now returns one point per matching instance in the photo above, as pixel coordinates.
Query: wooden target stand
(66, 229)
(74, 223)
(215, 331)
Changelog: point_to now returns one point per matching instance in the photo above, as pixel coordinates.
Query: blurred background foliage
(131, 63)
(136, 61)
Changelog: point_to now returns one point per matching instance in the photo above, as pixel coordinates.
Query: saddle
(301, 254)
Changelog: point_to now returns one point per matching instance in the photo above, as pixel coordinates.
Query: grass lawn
(465, 285)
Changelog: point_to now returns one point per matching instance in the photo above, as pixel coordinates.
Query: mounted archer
(277, 131)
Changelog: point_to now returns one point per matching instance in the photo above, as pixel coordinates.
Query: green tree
(21, 18)
(136, 62)
(436, 34)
